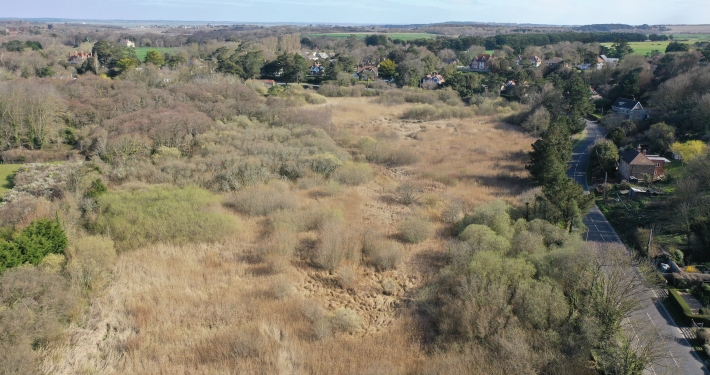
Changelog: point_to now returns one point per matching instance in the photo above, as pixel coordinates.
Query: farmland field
(403, 36)
(142, 51)
(642, 48)
(6, 173)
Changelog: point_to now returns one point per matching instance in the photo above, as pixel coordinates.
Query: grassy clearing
(142, 51)
(403, 36)
(7, 173)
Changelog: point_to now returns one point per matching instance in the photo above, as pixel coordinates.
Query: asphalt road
(681, 359)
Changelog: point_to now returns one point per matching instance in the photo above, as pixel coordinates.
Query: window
(658, 164)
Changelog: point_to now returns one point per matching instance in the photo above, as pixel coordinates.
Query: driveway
(681, 358)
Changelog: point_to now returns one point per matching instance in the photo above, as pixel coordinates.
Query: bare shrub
(415, 229)
(281, 287)
(353, 174)
(346, 320)
(347, 275)
(383, 153)
(313, 98)
(319, 319)
(421, 112)
(335, 244)
(262, 200)
(34, 304)
(537, 122)
(381, 253)
(389, 286)
(89, 261)
(278, 249)
(407, 193)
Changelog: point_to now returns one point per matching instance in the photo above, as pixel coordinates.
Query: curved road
(681, 358)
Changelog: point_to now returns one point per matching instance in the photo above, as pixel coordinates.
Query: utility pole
(650, 237)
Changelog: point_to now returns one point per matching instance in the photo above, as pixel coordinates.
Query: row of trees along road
(565, 104)
(563, 200)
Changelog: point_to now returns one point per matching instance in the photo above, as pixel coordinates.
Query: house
(453, 61)
(318, 56)
(434, 78)
(631, 109)
(482, 63)
(78, 57)
(317, 69)
(366, 72)
(608, 60)
(591, 66)
(534, 61)
(555, 62)
(634, 164)
(594, 95)
(126, 43)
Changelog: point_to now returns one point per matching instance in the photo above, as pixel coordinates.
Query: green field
(692, 37)
(642, 48)
(7, 172)
(142, 51)
(403, 36)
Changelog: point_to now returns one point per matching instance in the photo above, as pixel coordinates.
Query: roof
(483, 57)
(366, 68)
(635, 157)
(626, 103)
(657, 158)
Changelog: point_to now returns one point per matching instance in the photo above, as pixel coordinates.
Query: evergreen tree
(40, 238)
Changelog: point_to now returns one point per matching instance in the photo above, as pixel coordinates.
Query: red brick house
(633, 164)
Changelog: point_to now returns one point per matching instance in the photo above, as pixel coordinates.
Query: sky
(555, 12)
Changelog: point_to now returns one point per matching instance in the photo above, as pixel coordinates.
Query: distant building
(609, 60)
(534, 61)
(78, 57)
(631, 109)
(317, 69)
(127, 43)
(433, 78)
(367, 71)
(555, 62)
(482, 63)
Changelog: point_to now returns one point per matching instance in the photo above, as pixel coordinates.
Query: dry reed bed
(226, 308)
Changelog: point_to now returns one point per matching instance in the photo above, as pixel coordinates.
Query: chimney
(644, 152)
(638, 148)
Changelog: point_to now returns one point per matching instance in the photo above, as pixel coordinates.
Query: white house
(127, 43)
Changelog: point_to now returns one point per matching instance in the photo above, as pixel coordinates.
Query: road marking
(649, 318)
(676, 362)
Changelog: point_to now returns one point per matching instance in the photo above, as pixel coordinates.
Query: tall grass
(135, 218)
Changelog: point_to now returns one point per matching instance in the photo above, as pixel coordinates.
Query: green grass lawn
(142, 51)
(7, 173)
(403, 36)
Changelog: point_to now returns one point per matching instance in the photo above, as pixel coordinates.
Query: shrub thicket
(262, 200)
(135, 218)
(415, 229)
(353, 174)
